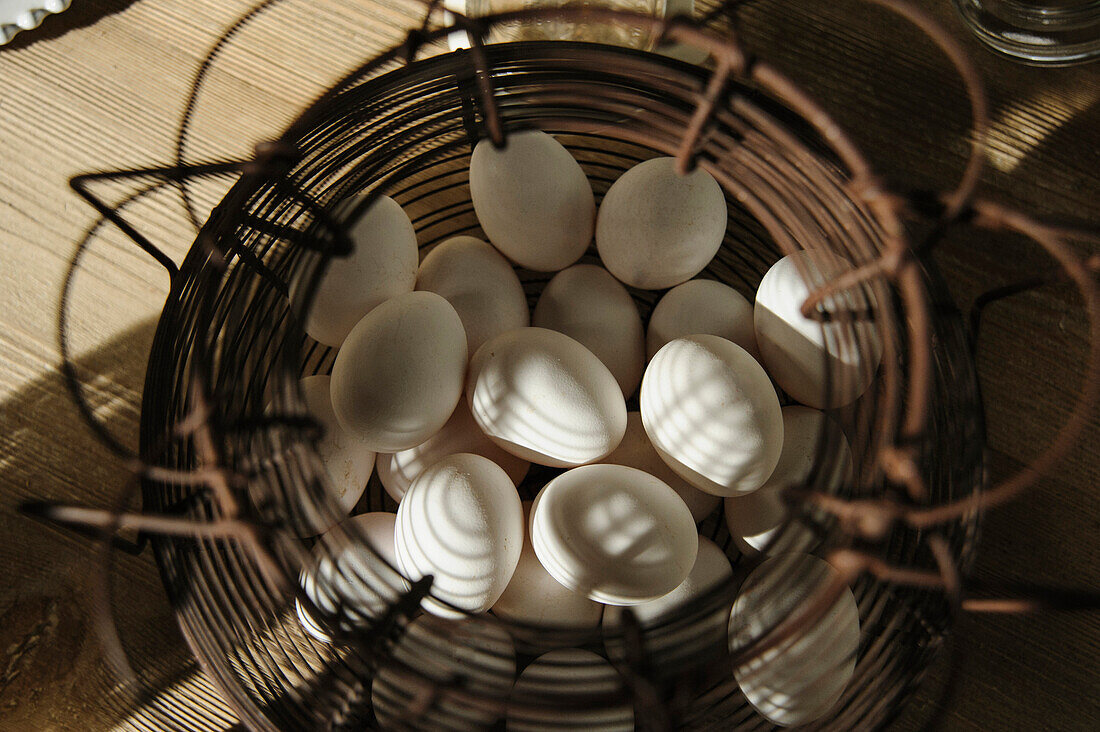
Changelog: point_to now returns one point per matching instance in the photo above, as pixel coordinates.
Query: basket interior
(408, 133)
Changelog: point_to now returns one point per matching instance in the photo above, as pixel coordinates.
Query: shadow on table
(81, 14)
(53, 674)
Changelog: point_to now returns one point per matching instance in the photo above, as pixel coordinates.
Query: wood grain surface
(103, 86)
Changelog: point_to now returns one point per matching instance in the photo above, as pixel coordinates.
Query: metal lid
(20, 15)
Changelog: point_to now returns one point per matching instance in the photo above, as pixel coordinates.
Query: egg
(348, 461)
(821, 365)
(353, 581)
(533, 200)
(382, 265)
(711, 569)
(613, 533)
(583, 677)
(635, 451)
(712, 414)
(802, 678)
(461, 434)
(461, 521)
(479, 283)
(587, 304)
(434, 652)
(544, 397)
(701, 306)
(753, 520)
(398, 376)
(535, 598)
(656, 228)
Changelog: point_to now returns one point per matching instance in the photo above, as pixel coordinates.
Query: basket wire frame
(222, 478)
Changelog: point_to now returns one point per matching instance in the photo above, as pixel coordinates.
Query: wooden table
(103, 85)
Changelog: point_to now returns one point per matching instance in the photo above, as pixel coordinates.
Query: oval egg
(712, 414)
(535, 598)
(462, 522)
(399, 374)
(348, 461)
(479, 283)
(533, 200)
(701, 307)
(656, 228)
(587, 679)
(701, 637)
(587, 304)
(461, 434)
(802, 677)
(433, 651)
(635, 451)
(613, 533)
(544, 397)
(754, 519)
(382, 265)
(795, 349)
(350, 580)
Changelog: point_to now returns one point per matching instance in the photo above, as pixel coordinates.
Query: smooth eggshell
(479, 283)
(698, 307)
(536, 598)
(754, 519)
(711, 569)
(635, 451)
(461, 434)
(462, 522)
(795, 348)
(583, 677)
(656, 228)
(382, 265)
(804, 676)
(712, 414)
(533, 200)
(613, 533)
(545, 398)
(349, 579)
(348, 461)
(399, 374)
(587, 304)
(434, 651)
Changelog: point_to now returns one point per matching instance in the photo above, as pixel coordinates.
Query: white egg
(434, 652)
(536, 598)
(461, 434)
(461, 521)
(382, 265)
(754, 519)
(532, 200)
(399, 374)
(712, 414)
(348, 461)
(635, 451)
(584, 678)
(545, 398)
(711, 569)
(587, 304)
(613, 533)
(656, 228)
(698, 307)
(802, 678)
(820, 365)
(349, 579)
(479, 283)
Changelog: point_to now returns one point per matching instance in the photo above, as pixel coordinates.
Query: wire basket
(231, 479)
